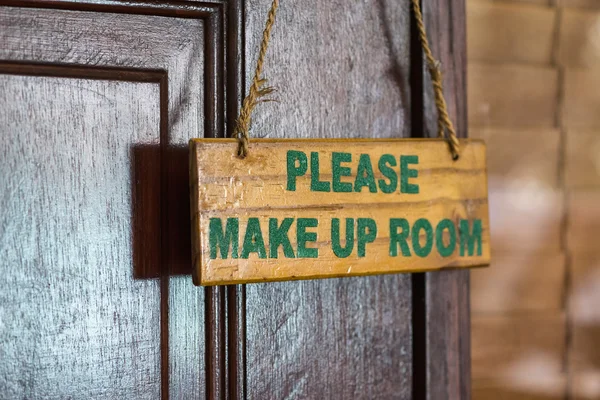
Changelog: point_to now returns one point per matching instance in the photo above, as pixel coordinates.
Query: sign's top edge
(331, 140)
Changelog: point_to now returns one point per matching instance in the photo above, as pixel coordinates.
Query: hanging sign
(304, 209)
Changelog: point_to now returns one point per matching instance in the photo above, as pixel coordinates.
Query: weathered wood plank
(341, 69)
(446, 345)
(324, 348)
(277, 181)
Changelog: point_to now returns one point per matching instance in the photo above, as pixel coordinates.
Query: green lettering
(364, 175)
(278, 236)
(315, 184)
(468, 238)
(223, 240)
(445, 251)
(422, 224)
(406, 173)
(338, 171)
(302, 237)
(384, 161)
(338, 250)
(293, 171)
(253, 240)
(367, 232)
(399, 239)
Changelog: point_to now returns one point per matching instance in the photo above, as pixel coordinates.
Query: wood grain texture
(183, 42)
(146, 43)
(342, 71)
(341, 338)
(229, 189)
(446, 293)
(76, 323)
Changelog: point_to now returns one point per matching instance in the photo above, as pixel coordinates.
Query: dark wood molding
(236, 294)
(236, 339)
(419, 322)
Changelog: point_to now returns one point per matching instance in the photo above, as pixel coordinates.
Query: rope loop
(435, 71)
(258, 90)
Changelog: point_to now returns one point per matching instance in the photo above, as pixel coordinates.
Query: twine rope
(258, 90)
(444, 122)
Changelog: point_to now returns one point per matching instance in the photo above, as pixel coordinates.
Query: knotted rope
(258, 91)
(444, 122)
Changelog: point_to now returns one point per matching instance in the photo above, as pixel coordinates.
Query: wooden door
(99, 99)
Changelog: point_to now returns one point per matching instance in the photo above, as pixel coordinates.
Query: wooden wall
(534, 95)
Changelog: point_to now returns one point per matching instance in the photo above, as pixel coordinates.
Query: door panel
(101, 99)
(70, 308)
(341, 69)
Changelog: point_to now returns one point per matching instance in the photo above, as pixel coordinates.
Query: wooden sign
(304, 209)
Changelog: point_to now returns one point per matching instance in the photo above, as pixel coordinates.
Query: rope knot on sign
(434, 67)
(258, 90)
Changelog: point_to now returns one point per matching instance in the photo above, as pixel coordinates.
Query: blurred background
(534, 96)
